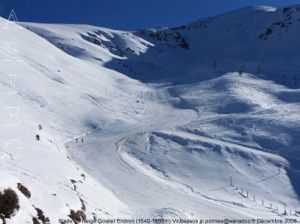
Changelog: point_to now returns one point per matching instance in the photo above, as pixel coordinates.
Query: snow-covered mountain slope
(253, 39)
(210, 130)
(68, 97)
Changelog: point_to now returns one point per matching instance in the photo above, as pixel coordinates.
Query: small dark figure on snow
(76, 139)
(37, 137)
(40, 127)
(82, 140)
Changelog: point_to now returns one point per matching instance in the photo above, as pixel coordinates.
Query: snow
(266, 8)
(154, 123)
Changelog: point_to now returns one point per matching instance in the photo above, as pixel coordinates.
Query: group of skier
(76, 139)
(37, 136)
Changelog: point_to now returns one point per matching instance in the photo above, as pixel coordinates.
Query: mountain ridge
(217, 39)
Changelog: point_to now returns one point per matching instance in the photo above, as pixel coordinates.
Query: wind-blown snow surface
(217, 98)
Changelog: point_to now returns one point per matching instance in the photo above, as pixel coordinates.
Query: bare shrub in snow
(41, 216)
(24, 190)
(35, 221)
(77, 216)
(9, 203)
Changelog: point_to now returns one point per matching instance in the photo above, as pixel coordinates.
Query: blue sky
(125, 14)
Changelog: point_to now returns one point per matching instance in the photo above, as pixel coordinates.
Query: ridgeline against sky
(125, 14)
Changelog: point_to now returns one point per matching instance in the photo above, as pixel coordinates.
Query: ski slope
(197, 121)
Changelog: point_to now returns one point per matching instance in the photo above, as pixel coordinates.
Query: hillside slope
(68, 97)
(200, 120)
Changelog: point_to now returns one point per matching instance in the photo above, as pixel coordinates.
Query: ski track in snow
(161, 178)
(125, 160)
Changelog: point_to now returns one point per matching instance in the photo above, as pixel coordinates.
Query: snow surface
(167, 117)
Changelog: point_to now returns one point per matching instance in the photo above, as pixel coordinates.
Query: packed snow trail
(102, 157)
